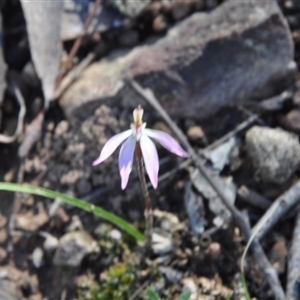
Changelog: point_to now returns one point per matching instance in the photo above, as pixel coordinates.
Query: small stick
(278, 209)
(292, 291)
(64, 79)
(76, 45)
(261, 259)
(10, 139)
(140, 289)
(232, 133)
(253, 198)
(148, 206)
(65, 82)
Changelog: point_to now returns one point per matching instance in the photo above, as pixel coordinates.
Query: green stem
(148, 205)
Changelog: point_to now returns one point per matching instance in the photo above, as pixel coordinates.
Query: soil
(62, 160)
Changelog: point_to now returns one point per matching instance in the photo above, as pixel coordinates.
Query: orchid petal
(167, 141)
(126, 160)
(111, 145)
(150, 157)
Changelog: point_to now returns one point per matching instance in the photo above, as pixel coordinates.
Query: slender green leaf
(14, 187)
(245, 288)
(185, 296)
(152, 294)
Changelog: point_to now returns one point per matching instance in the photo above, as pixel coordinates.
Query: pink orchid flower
(139, 134)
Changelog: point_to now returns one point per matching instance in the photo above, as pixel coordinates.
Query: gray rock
(9, 290)
(275, 153)
(241, 51)
(73, 247)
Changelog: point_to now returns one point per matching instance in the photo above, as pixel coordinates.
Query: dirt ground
(103, 262)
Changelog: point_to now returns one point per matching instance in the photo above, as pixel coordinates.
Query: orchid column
(137, 141)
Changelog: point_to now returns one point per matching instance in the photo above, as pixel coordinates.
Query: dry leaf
(43, 20)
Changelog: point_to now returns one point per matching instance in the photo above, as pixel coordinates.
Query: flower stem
(148, 204)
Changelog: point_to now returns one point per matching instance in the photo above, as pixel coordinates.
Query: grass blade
(27, 189)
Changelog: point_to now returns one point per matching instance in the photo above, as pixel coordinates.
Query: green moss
(118, 285)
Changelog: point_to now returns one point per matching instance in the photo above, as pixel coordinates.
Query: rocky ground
(226, 72)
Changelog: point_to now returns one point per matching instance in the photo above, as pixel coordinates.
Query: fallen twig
(261, 259)
(31, 136)
(278, 209)
(292, 291)
(273, 103)
(76, 45)
(232, 133)
(140, 289)
(76, 71)
(253, 198)
(65, 79)
(10, 139)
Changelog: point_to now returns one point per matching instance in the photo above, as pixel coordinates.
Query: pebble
(291, 120)
(30, 222)
(190, 285)
(9, 290)
(61, 128)
(161, 244)
(275, 153)
(160, 23)
(50, 243)
(278, 255)
(73, 247)
(115, 235)
(195, 133)
(214, 251)
(37, 257)
(75, 224)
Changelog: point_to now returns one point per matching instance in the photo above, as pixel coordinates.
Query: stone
(195, 133)
(37, 257)
(50, 243)
(30, 222)
(192, 70)
(161, 244)
(159, 23)
(9, 290)
(274, 153)
(73, 247)
(291, 120)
